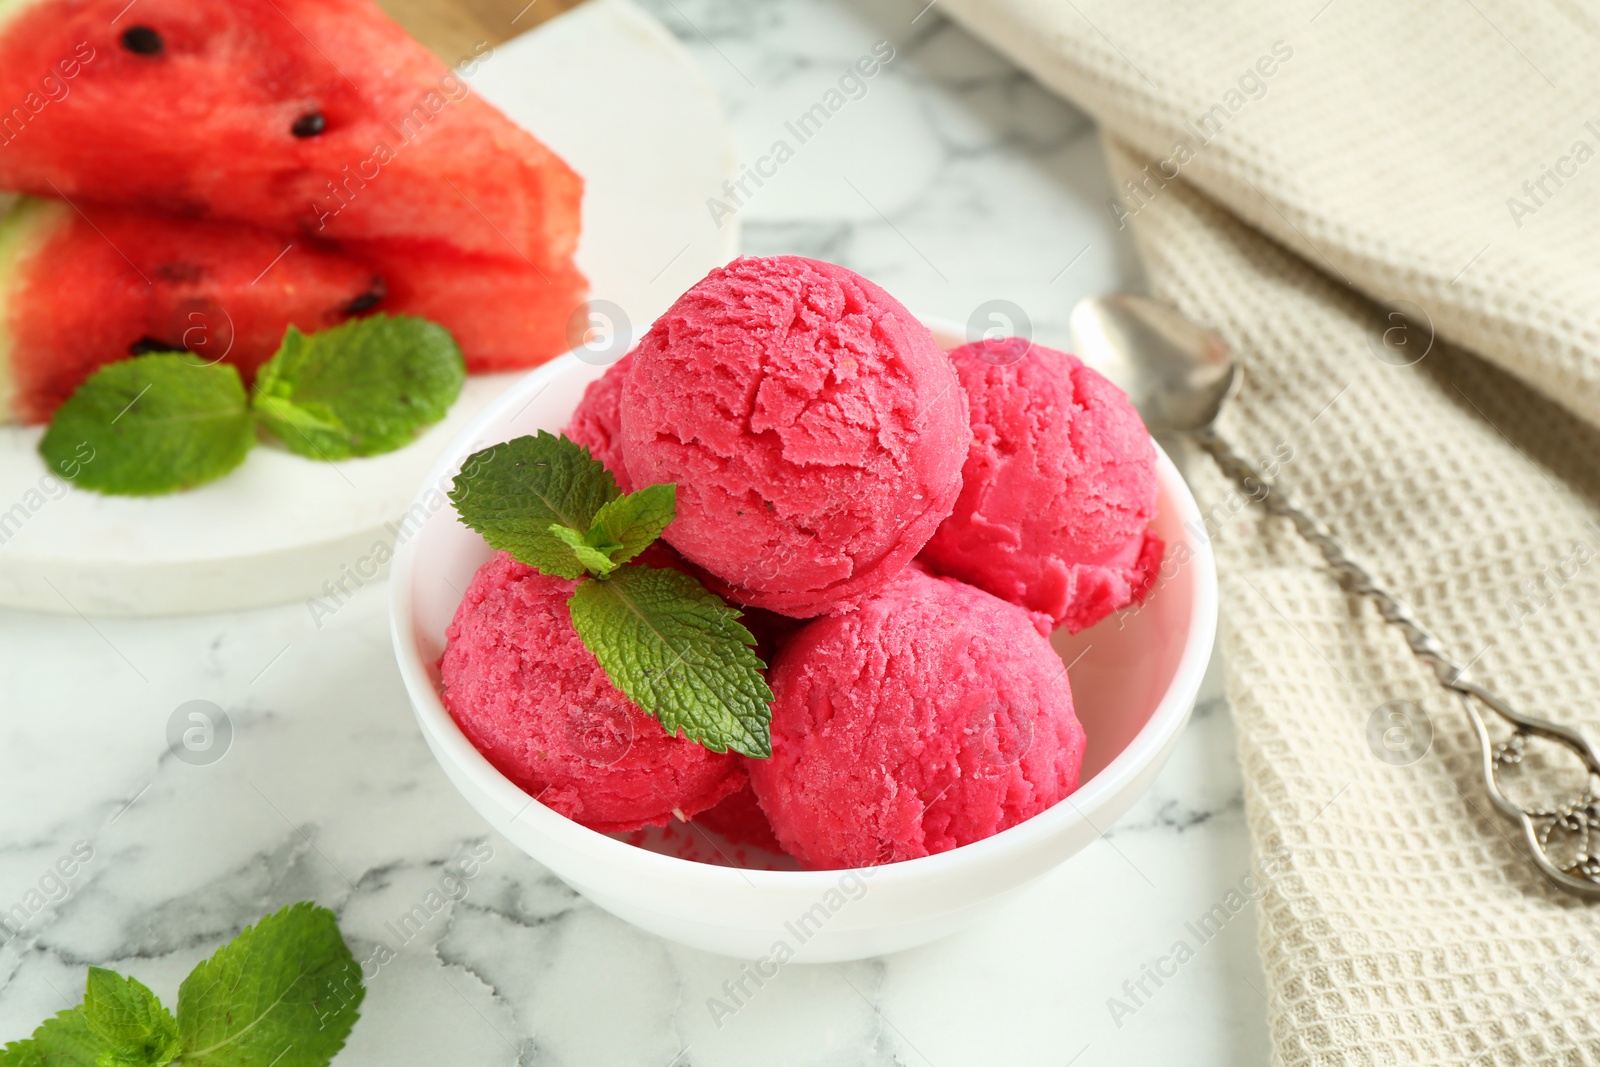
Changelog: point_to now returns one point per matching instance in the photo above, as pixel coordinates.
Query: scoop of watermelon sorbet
(529, 696)
(597, 421)
(1058, 489)
(932, 717)
(814, 429)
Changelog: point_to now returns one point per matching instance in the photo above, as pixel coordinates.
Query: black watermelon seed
(369, 299)
(364, 302)
(309, 125)
(143, 41)
(146, 345)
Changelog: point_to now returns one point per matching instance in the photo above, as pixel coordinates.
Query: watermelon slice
(320, 117)
(505, 314)
(79, 291)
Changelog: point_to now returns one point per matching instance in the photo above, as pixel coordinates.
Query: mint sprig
(160, 423)
(154, 424)
(359, 389)
(285, 992)
(675, 649)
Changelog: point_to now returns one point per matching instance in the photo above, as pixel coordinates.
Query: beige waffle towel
(1287, 168)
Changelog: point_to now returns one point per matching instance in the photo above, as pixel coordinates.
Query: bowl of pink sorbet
(1134, 679)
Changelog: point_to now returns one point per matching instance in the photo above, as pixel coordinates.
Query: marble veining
(952, 179)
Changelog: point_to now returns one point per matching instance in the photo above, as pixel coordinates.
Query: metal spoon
(1179, 376)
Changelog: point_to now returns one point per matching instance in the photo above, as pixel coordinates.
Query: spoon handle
(1577, 821)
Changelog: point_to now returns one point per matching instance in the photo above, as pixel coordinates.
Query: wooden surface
(454, 28)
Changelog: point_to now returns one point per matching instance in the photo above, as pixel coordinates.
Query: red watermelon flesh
(505, 314)
(321, 117)
(76, 294)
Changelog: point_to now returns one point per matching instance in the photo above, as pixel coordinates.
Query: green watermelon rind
(10, 9)
(27, 226)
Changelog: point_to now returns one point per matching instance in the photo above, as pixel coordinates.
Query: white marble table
(953, 180)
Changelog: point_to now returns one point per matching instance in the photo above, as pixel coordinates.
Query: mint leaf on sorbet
(359, 389)
(152, 424)
(626, 526)
(514, 493)
(675, 649)
(63, 1040)
(680, 653)
(595, 558)
(622, 529)
(122, 1012)
(284, 993)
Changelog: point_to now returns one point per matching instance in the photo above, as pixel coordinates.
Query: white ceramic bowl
(1134, 686)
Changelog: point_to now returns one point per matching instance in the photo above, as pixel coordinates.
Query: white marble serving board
(281, 526)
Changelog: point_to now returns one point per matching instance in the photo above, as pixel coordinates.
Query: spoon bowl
(1177, 374)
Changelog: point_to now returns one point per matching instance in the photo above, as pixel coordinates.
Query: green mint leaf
(515, 492)
(152, 424)
(122, 1012)
(284, 993)
(64, 1040)
(632, 522)
(359, 389)
(680, 653)
(594, 559)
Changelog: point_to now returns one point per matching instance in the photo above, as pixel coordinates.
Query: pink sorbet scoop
(529, 696)
(814, 429)
(933, 716)
(1058, 490)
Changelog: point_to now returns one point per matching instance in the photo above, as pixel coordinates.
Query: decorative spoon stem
(1579, 817)
(1180, 376)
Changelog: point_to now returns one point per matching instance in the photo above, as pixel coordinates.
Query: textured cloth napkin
(1290, 172)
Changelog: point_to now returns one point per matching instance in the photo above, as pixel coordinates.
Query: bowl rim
(447, 739)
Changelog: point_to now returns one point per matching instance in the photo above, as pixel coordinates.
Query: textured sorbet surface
(597, 421)
(740, 821)
(536, 703)
(814, 429)
(1058, 489)
(933, 716)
